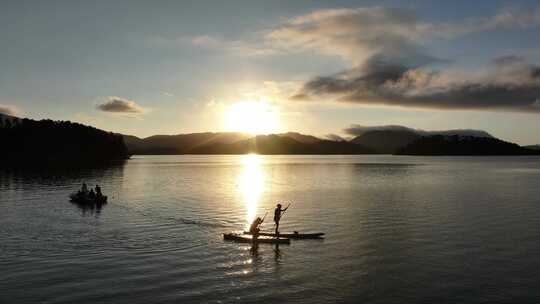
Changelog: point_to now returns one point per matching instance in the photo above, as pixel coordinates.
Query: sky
(316, 67)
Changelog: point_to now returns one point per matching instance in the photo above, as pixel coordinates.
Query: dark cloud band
(515, 88)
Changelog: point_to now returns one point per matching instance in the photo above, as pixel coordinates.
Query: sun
(253, 117)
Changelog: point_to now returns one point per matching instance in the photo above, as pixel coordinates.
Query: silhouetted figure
(254, 229)
(92, 194)
(277, 216)
(84, 188)
(98, 191)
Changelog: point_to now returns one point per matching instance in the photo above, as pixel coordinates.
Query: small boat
(85, 199)
(291, 235)
(244, 238)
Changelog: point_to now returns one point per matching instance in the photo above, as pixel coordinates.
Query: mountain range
(383, 140)
(240, 143)
(58, 140)
(533, 147)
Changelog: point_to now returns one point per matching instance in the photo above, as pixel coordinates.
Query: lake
(399, 229)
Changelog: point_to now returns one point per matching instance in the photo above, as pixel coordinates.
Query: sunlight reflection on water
(251, 184)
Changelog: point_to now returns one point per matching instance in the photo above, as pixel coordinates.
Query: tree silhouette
(463, 145)
(58, 142)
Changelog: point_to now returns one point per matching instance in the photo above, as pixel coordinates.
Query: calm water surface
(399, 230)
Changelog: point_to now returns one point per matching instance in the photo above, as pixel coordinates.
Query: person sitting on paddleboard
(254, 228)
(277, 216)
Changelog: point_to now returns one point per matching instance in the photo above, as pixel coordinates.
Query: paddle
(286, 209)
(262, 221)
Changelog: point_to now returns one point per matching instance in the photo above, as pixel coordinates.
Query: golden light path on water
(251, 184)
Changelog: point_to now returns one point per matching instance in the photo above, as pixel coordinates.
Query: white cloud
(9, 110)
(218, 44)
(356, 34)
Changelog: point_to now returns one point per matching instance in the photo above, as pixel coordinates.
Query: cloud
(358, 130)
(8, 110)
(509, 86)
(353, 34)
(120, 105)
(335, 137)
(507, 60)
(390, 65)
(233, 47)
(507, 19)
(356, 34)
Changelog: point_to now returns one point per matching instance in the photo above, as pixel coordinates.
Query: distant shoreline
(373, 154)
(29, 142)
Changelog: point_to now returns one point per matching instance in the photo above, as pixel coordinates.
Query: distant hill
(462, 145)
(179, 144)
(278, 144)
(386, 141)
(47, 142)
(306, 139)
(373, 140)
(390, 139)
(194, 143)
(533, 147)
(133, 143)
(8, 119)
(458, 132)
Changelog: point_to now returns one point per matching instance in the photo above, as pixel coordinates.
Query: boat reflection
(89, 209)
(251, 184)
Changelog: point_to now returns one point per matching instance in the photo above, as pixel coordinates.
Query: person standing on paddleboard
(277, 216)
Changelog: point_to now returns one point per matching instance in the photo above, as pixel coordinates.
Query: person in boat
(277, 216)
(91, 194)
(98, 192)
(254, 229)
(84, 188)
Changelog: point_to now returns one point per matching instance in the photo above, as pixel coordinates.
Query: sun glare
(251, 184)
(251, 117)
